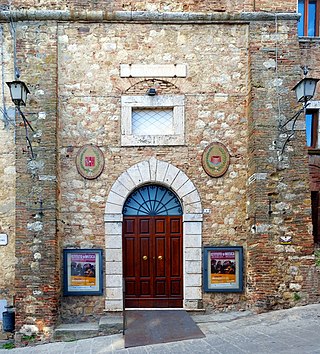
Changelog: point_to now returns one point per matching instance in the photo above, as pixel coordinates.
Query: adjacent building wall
(7, 172)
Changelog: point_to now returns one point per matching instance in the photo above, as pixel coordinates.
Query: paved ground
(293, 331)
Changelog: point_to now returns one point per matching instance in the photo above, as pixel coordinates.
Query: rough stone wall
(275, 6)
(7, 211)
(122, 5)
(7, 173)
(310, 52)
(279, 196)
(36, 273)
(90, 88)
(230, 6)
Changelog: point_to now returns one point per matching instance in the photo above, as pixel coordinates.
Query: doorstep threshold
(154, 309)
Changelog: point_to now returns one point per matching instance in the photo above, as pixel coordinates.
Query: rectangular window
(152, 120)
(308, 25)
(312, 127)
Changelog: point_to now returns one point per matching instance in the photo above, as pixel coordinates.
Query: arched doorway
(165, 174)
(152, 248)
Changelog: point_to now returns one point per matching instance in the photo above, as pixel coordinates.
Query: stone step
(111, 324)
(73, 331)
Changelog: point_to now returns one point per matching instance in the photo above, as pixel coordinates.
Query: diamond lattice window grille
(152, 121)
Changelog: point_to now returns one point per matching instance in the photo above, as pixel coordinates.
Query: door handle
(160, 258)
(145, 258)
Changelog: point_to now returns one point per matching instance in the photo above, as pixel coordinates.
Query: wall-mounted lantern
(19, 92)
(305, 89)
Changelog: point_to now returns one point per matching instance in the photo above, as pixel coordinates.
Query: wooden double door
(152, 259)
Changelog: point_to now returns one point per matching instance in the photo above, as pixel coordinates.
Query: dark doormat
(159, 326)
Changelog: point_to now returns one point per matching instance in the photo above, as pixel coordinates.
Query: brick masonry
(237, 91)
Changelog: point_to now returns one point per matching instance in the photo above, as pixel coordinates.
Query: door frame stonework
(162, 173)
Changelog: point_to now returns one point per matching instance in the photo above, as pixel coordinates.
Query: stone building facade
(224, 69)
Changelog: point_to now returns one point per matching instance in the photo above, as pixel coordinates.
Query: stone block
(179, 181)
(153, 70)
(113, 305)
(192, 228)
(114, 280)
(186, 188)
(193, 240)
(120, 189)
(113, 255)
(144, 169)
(115, 198)
(113, 229)
(193, 280)
(126, 180)
(193, 267)
(114, 267)
(193, 293)
(75, 331)
(135, 175)
(191, 198)
(153, 168)
(111, 324)
(193, 254)
(161, 170)
(114, 293)
(113, 208)
(114, 241)
(171, 174)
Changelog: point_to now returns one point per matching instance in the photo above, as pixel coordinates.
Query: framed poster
(223, 269)
(82, 272)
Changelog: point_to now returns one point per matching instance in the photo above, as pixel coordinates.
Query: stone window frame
(176, 102)
(162, 173)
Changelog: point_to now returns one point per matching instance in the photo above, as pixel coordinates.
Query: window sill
(313, 151)
(309, 39)
(152, 140)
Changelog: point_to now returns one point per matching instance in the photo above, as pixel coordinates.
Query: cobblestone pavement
(293, 331)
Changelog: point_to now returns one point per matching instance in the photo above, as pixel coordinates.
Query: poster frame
(67, 288)
(207, 272)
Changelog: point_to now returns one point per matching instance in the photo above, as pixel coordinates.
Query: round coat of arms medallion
(215, 159)
(90, 161)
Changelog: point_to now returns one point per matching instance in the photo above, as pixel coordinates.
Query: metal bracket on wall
(26, 125)
(290, 132)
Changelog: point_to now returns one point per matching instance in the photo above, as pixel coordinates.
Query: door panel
(159, 226)
(175, 257)
(160, 257)
(152, 257)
